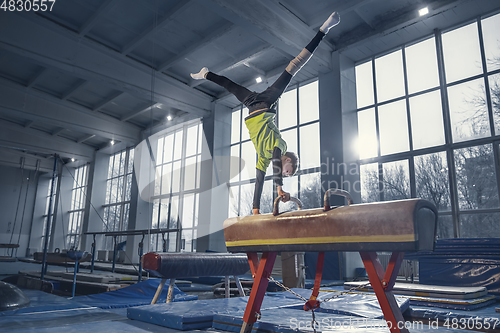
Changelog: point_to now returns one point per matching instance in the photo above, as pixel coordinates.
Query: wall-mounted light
(258, 79)
(423, 11)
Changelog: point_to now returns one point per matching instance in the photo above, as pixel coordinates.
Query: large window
(78, 199)
(118, 184)
(52, 214)
(298, 120)
(428, 125)
(177, 184)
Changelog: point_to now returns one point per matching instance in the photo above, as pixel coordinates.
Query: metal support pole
(74, 277)
(227, 290)
(141, 252)
(170, 293)
(49, 217)
(93, 256)
(158, 291)
(239, 286)
(114, 254)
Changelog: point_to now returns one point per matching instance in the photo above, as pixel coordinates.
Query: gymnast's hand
(285, 196)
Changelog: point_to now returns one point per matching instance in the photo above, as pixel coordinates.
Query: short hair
(295, 161)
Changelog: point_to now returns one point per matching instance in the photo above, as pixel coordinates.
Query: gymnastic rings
(277, 201)
(335, 191)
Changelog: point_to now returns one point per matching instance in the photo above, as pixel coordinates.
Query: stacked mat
(280, 309)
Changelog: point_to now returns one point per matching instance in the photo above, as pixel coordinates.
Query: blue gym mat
(141, 293)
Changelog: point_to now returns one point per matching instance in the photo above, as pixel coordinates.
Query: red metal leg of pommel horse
(382, 283)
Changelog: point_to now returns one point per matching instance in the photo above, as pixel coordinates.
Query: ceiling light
(169, 117)
(72, 159)
(112, 142)
(423, 11)
(258, 79)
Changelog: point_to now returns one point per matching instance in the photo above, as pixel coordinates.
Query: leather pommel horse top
(402, 225)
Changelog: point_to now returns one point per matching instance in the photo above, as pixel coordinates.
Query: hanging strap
(313, 303)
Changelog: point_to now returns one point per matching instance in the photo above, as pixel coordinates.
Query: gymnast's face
(287, 167)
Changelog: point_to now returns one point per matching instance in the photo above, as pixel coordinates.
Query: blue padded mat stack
(134, 295)
(293, 321)
(199, 314)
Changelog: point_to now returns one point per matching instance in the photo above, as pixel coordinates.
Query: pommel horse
(393, 226)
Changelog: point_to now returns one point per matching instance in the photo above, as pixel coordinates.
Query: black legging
(266, 99)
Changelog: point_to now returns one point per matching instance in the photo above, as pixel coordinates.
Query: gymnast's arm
(259, 185)
(278, 175)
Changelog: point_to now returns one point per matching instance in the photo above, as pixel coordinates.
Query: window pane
(396, 180)
(244, 131)
(130, 161)
(290, 138)
(187, 211)
(367, 134)
(235, 126)
(421, 66)
(480, 225)
(290, 185)
(190, 174)
(234, 196)
(494, 82)
(191, 140)
(462, 57)
(310, 190)
(309, 146)
(200, 138)
(308, 102)
(178, 144)
(234, 164)
(468, 113)
(168, 148)
(476, 178)
(246, 203)
(249, 157)
(287, 109)
(389, 75)
(431, 176)
(166, 178)
(491, 40)
(174, 212)
(364, 84)
(155, 216)
(187, 240)
(266, 200)
(445, 227)
(369, 182)
(176, 177)
(393, 126)
(427, 120)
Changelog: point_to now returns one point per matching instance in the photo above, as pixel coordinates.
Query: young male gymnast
(264, 134)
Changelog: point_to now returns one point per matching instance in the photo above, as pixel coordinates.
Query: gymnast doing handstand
(264, 134)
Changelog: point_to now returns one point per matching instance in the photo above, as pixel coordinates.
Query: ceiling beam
(160, 25)
(271, 24)
(137, 113)
(107, 100)
(89, 24)
(73, 90)
(11, 157)
(52, 46)
(19, 137)
(33, 105)
(342, 7)
(217, 33)
(241, 59)
(58, 131)
(85, 138)
(37, 77)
